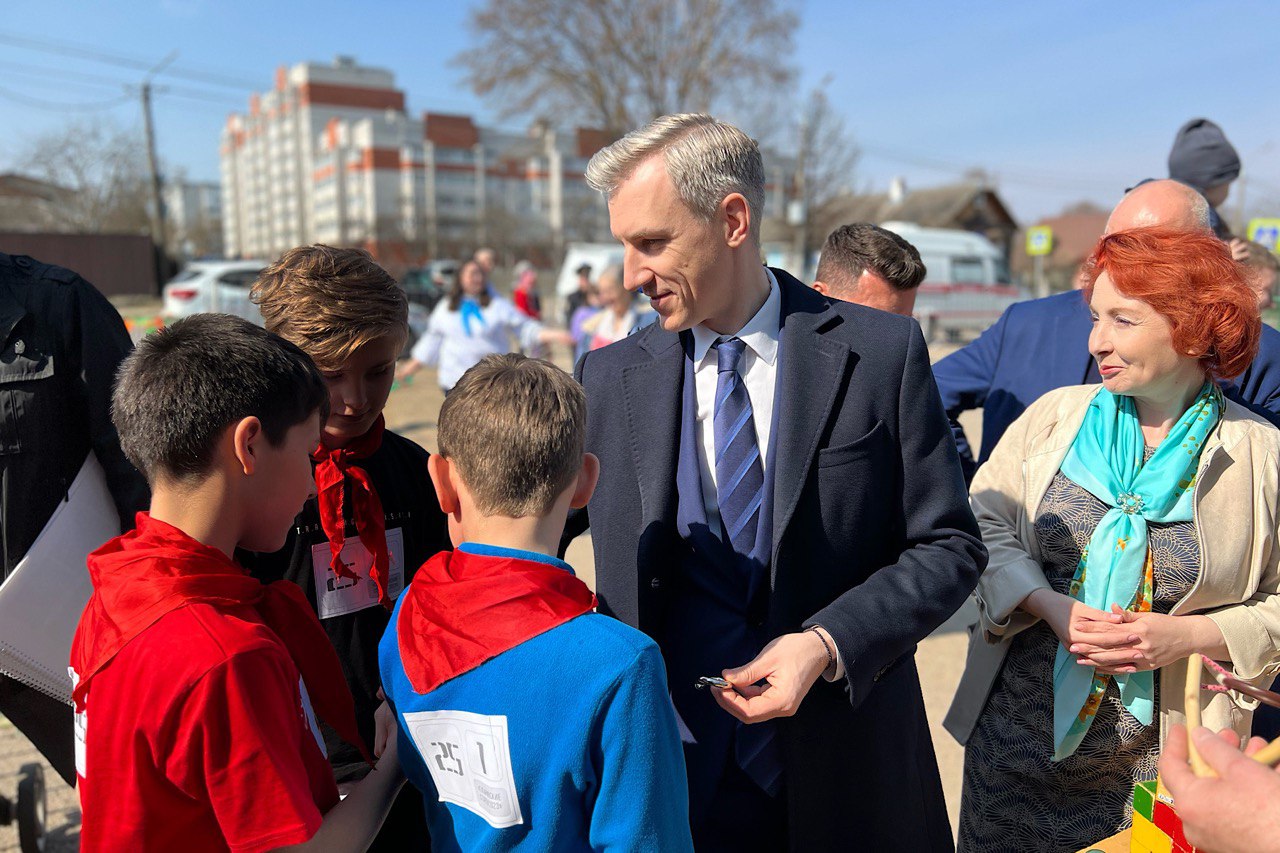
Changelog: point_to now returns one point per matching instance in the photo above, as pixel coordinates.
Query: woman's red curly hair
(1191, 280)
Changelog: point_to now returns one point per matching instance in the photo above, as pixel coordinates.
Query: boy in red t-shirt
(195, 683)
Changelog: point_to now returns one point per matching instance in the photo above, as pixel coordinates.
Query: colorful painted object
(1156, 825)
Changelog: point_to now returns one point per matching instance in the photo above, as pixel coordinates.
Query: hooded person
(1201, 157)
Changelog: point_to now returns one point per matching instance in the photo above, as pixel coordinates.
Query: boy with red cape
(198, 687)
(526, 719)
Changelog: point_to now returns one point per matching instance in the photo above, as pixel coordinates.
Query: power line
(63, 107)
(97, 55)
(41, 76)
(40, 72)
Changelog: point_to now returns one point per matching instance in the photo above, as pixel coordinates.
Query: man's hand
(384, 726)
(790, 665)
(1237, 811)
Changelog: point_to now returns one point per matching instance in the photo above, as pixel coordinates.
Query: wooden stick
(1269, 754)
(1191, 699)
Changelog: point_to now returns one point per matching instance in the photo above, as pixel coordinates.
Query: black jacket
(62, 342)
(872, 538)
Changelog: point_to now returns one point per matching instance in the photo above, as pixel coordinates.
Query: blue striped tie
(739, 472)
(739, 492)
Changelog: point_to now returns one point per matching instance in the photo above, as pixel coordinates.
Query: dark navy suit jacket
(1043, 344)
(872, 538)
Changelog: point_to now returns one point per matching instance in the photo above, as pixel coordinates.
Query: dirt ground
(412, 411)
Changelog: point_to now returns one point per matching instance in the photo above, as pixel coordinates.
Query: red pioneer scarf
(155, 569)
(334, 468)
(462, 609)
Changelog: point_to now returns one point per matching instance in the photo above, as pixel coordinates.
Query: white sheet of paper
(469, 757)
(337, 596)
(41, 601)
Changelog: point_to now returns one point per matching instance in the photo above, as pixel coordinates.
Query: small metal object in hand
(711, 681)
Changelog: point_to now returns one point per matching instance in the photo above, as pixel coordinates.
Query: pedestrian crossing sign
(1039, 240)
(1266, 232)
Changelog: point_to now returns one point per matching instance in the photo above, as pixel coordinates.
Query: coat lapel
(651, 389)
(810, 376)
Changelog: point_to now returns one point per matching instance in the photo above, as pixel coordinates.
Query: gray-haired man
(780, 504)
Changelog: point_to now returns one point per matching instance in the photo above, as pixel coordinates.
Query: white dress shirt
(759, 369)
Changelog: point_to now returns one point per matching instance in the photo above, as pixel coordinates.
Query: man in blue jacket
(1043, 344)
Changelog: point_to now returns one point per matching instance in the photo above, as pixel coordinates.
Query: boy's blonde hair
(330, 302)
(515, 428)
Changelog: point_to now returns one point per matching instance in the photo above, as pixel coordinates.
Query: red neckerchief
(462, 609)
(334, 467)
(156, 568)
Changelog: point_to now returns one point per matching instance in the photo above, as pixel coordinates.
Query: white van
(966, 287)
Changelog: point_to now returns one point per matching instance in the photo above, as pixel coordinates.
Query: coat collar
(810, 375)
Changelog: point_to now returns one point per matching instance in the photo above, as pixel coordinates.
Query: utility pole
(157, 198)
(1242, 224)
(157, 201)
(798, 212)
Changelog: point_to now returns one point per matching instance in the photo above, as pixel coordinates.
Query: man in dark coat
(60, 344)
(780, 503)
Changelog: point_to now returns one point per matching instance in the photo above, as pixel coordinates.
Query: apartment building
(331, 155)
(193, 210)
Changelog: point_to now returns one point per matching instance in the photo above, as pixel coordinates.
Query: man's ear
(441, 471)
(587, 479)
(736, 215)
(821, 287)
(247, 439)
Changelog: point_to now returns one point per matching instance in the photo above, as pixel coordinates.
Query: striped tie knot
(729, 353)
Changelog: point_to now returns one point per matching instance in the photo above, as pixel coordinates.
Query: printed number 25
(444, 752)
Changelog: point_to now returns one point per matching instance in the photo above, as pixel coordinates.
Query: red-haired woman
(1129, 525)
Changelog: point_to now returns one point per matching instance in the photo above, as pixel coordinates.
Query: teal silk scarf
(1106, 460)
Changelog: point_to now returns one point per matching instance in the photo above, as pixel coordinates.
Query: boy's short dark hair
(186, 383)
(515, 427)
(851, 249)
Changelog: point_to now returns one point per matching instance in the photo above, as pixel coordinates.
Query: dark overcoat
(872, 538)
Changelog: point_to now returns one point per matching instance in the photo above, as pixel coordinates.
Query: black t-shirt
(398, 471)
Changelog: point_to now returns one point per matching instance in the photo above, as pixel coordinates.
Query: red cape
(463, 609)
(156, 569)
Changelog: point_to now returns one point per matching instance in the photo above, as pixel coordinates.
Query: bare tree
(826, 161)
(103, 170)
(615, 64)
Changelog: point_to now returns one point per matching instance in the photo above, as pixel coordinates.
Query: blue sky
(1062, 101)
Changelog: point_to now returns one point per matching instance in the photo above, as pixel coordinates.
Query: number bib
(337, 596)
(469, 758)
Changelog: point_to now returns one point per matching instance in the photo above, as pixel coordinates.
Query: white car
(213, 286)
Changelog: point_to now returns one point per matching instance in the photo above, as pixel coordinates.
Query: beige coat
(1238, 588)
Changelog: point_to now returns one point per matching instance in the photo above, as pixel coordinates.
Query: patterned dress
(1016, 798)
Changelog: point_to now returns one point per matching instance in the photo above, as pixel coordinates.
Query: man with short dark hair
(871, 266)
(780, 505)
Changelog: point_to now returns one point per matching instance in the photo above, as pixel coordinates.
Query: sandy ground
(412, 411)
